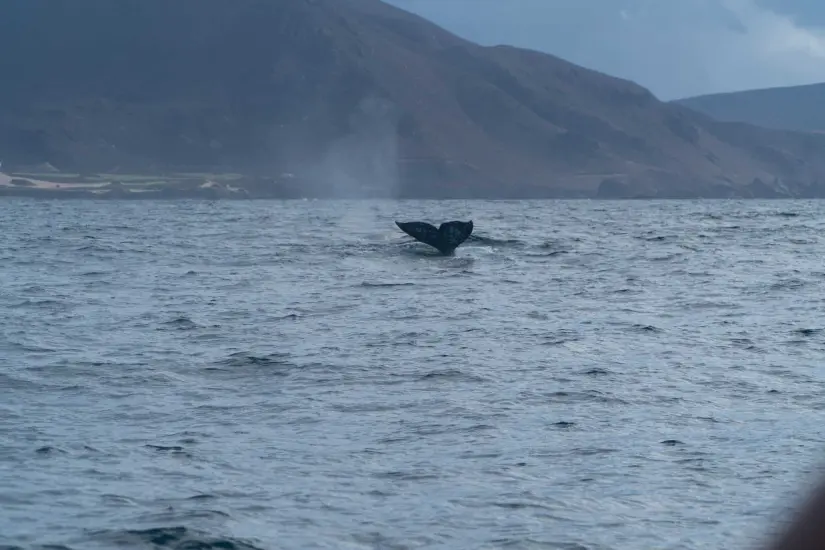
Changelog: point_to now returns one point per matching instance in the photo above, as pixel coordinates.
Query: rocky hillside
(788, 108)
(355, 97)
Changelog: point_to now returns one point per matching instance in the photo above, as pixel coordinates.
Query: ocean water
(300, 374)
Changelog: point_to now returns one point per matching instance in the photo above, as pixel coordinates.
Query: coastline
(202, 186)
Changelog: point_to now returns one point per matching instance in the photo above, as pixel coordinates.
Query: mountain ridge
(797, 108)
(357, 98)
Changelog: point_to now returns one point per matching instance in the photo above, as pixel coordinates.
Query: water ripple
(581, 375)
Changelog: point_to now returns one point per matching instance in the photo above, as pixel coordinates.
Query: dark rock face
(353, 98)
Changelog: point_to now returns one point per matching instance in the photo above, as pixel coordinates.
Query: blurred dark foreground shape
(806, 529)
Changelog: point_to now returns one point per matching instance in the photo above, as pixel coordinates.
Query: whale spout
(445, 239)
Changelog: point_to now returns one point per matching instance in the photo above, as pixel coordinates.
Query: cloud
(770, 50)
(675, 48)
(779, 35)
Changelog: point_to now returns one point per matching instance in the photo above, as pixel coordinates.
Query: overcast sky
(676, 48)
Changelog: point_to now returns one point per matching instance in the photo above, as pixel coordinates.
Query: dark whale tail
(446, 238)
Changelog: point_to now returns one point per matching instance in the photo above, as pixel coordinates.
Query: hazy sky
(676, 48)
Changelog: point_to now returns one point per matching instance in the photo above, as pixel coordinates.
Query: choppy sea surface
(301, 374)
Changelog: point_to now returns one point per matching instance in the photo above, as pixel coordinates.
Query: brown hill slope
(347, 93)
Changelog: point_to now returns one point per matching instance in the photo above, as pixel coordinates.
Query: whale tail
(445, 239)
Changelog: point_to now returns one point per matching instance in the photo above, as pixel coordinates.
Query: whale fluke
(445, 239)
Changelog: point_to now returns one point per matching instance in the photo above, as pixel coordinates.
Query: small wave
(202, 496)
(406, 476)
(547, 254)
(576, 396)
(666, 257)
(564, 424)
(420, 250)
(457, 263)
(646, 328)
(179, 538)
(367, 284)
(243, 359)
(561, 337)
(800, 241)
(589, 395)
(789, 284)
(490, 241)
(710, 304)
(166, 448)
(521, 505)
(33, 289)
(49, 450)
(365, 407)
(287, 317)
(182, 323)
(9, 382)
(596, 372)
(36, 303)
(31, 348)
(745, 343)
(594, 451)
(549, 248)
(452, 375)
(655, 238)
(95, 247)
